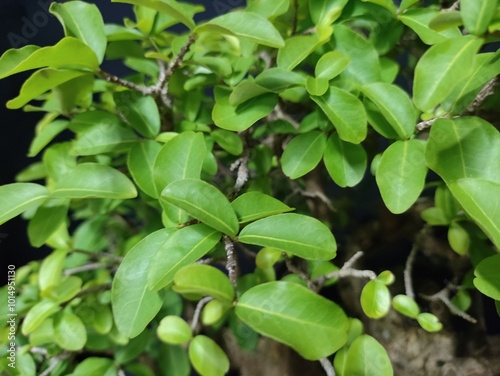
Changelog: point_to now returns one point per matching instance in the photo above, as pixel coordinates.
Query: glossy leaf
(487, 277)
(46, 221)
(173, 360)
(296, 50)
(15, 198)
(83, 21)
(245, 90)
(207, 357)
(204, 202)
(316, 86)
(204, 280)
(140, 111)
(405, 4)
(69, 52)
(251, 206)
(134, 305)
(367, 357)
(50, 272)
(241, 117)
(174, 330)
(401, 174)
(69, 331)
(395, 105)
(345, 162)
(475, 196)
(45, 133)
(37, 315)
(346, 113)
(303, 153)
(440, 68)
(324, 12)
(289, 313)
(214, 311)
(268, 9)
(477, 15)
(298, 234)
(65, 290)
(458, 238)
(446, 20)
(247, 25)
(94, 180)
(429, 322)
(406, 306)
(140, 163)
(182, 248)
(464, 148)
(229, 141)
(278, 79)
(331, 65)
(375, 299)
(95, 366)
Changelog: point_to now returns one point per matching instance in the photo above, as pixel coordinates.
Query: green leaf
(120, 33)
(278, 79)
(303, 153)
(204, 202)
(256, 205)
(487, 277)
(441, 68)
(83, 21)
(207, 357)
(375, 299)
(50, 271)
(140, 163)
(268, 9)
(68, 53)
(387, 4)
(134, 305)
(214, 311)
(477, 15)
(345, 162)
(289, 313)
(65, 290)
(241, 117)
(464, 148)
(94, 180)
(46, 221)
(40, 82)
(446, 20)
(182, 248)
(140, 111)
(229, 141)
(296, 50)
(204, 280)
(298, 234)
(316, 86)
(69, 331)
(395, 105)
(475, 196)
(245, 90)
(95, 366)
(331, 64)
(37, 315)
(419, 19)
(247, 25)
(325, 12)
(458, 238)
(346, 112)
(405, 4)
(429, 322)
(406, 306)
(180, 158)
(367, 357)
(173, 360)
(15, 198)
(401, 174)
(174, 330)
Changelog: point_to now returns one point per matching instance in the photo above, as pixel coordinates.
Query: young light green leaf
(229, 141)
(15, 198)
(214, 311)
(278, 79)
(94, 180)
(325, 12)
(446, 20)
(375, 299)
(475, 196)
(180, 158)
(303, 154)
(134, 305)
(429, 322)
(387, 4)
(464, 148)
(245, 90)
(207, 357)
(140, 111)
(458, 238)
(37, 315)
(69, 331)
(331, 64)
(313, 326)
(418, 20)
(68, 53)
(345, 162)
(45, 133)
(298, 234)
(174, 330)
(120, 33)
(251, 206)
(441, 68)
(405, 4)
(51, 270)
(65, 290)
(182, 248)
(487, 278)
(247, 25)
(204, 280)
(367, 357)
(395, 105)
(477, 15)
(316, 86)
(401, 174)
(140, 163)
(268, 9)
(204, 202)
(295, 50)
(83, 21)
(46, 221)
(406, 306)
(346, 112)
(95, 366)
(40, 82)
(241, 117)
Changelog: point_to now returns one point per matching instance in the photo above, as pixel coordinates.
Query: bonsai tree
(194, 207)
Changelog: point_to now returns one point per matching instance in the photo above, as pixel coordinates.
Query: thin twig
(197, 312)
(453, 6)
(122, 82)
(243, 173)
(54, 362)
(232, 264)
(443, 296)
(85, 268)
(484, 93)
(295, 16)
(279, 114)
(408, 271)
(294, 269)
(327, 366)
(93, 289)
(100, 255)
